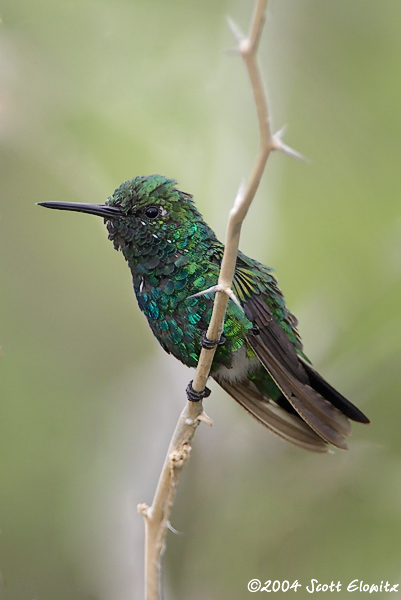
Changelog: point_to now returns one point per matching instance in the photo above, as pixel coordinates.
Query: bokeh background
(94, 92)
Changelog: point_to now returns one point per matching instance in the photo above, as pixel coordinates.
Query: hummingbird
(174, 258)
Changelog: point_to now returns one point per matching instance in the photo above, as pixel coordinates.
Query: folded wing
(323, 409)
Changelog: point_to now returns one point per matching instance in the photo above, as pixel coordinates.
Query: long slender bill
(101, 210)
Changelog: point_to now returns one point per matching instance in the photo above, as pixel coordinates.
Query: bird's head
(144, 211)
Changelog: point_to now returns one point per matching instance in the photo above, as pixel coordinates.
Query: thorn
(169, 526)
(234, 51)
(234, 298)
(219, 288)
(143, 509)
(291, 152)
(280, 133)
(205, 418)
(235, 30)
(278, 144)
(211, 290)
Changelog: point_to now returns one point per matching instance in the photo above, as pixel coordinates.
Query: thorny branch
(157, 516)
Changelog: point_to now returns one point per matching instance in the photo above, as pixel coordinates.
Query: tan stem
(157, 515)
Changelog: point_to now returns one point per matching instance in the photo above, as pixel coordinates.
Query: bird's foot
(255, 329)
(209, 344)
(194, 396)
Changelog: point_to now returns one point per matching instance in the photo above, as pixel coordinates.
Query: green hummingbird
(174, 256)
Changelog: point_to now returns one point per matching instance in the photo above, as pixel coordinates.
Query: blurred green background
(94, 93)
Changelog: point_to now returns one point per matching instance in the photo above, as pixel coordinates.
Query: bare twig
(157, 516)
(247, 47)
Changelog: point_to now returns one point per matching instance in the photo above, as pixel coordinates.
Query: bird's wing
(277, 344)
(289, 427)
(278, 355)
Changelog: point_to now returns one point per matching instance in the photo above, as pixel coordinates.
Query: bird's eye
(152, 212)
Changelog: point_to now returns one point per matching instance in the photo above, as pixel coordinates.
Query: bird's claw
(210, 344)
(194, 396)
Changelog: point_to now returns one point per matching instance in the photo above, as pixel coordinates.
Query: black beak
(101, 210)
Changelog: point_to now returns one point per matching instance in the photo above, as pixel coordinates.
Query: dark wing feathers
(289, 427)
(323, 387)
(277, 353)
(321, 411)
(279, 344)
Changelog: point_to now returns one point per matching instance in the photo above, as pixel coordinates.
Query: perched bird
(173, 255)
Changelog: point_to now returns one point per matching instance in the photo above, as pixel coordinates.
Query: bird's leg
(255, 329)
(194, 396)
(209, 344)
